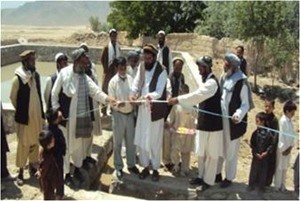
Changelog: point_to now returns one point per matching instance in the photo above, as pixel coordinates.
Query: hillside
(55, 13)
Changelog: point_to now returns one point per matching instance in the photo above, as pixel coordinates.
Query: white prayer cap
(112, 31)
(84, 46)
(58, 55)
(161, 32)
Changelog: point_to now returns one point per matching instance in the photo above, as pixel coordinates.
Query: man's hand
(120, 104)
(132, 100)
(60, 116)
(264, 154)
(235, 119)
(111, 100)
(173, 101)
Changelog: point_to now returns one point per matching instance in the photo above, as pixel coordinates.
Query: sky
(11, 4)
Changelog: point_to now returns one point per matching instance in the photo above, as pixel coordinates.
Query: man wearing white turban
(235, 103)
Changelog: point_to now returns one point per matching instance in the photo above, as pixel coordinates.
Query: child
(262, 147)
(182, 126)
(285, 144)
(48, 170)
(59, 149)
(272, 122)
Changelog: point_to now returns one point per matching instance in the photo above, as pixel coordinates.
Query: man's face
(121, 69)
(63, 63)
(239, 52)
(178, 67)
(133, 61)
(113, 37)
(268, 107)
(259, 122)
(161, 39)
(201, 70)
(290, 114)
(30, 61)
(149, 58)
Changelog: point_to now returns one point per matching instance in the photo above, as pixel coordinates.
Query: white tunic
(205, 91)
(145, 128)
(67, 80)
(284, 141)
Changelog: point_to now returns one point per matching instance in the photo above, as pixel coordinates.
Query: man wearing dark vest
(164, 55)
(235, 102)
(61, 61)
(25, 96)
(209, 134)
(74, 106)
(150, 84)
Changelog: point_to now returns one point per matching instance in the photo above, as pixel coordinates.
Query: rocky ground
(169, 187)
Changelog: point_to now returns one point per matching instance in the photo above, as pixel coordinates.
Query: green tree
(277, 22)
(148, 17)
(95, 23)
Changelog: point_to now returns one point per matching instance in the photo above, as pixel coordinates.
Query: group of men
(155, 77)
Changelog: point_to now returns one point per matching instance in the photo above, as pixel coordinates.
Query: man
(25, 96)
(239, 50)
(74, 106)
(61, 61)
(209, 135)
(90, 70)
(123, 119)
(109, 53)
(176, 79)
(235, 103)
(164, 55)
(5, 175)
(150, 84)
(133, 59)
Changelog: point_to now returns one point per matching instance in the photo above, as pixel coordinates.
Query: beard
(79, 69)
(149, 66)
(30, 68)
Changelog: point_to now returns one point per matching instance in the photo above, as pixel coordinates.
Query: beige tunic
(28, 144)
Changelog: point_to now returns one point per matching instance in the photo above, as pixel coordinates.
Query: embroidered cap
(177, 59)
(133, 54)
(84, 46)
(26, 54)
(150, 48)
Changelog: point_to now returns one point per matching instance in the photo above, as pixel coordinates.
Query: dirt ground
(60, 35)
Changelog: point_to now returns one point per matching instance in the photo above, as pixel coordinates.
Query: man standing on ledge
(110, 52)
(150, 84)
(164, 55)
(25, 96)
(235, 102)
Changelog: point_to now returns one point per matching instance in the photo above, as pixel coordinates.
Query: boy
(262, 147)
(122, 118)
(49, 171)
(272, 122)
(59, 149)
(285, 144)
(182, 126)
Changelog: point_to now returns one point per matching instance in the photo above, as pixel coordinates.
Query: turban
(232, 59)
